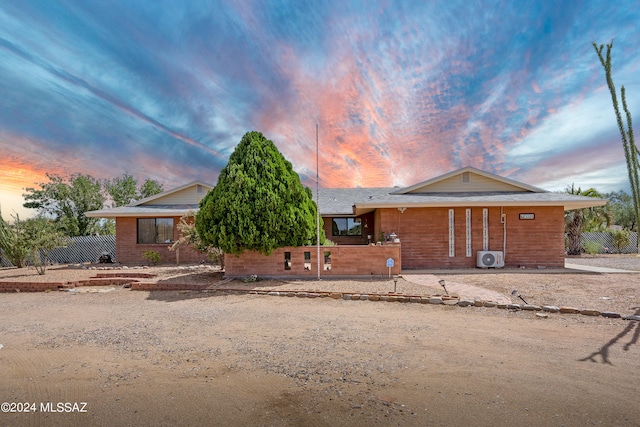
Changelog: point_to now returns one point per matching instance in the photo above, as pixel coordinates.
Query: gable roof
(182, 192)
(481, 189)
(174, 202)
(468, 179)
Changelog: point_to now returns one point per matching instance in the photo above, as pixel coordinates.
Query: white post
(318, 200)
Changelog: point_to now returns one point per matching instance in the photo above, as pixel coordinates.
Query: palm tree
(578, 221)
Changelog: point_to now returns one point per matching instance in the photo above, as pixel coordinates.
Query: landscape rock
(632, 317)
(542, 315)
(610, 314)
(490, 303)
(569, 310)
(465, 303)
(335, 295)
(589, 312)
(551, 308)
(514, 307)
(435, 300)
(531, 307)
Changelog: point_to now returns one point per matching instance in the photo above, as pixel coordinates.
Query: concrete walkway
(464, 291)
(596, 269)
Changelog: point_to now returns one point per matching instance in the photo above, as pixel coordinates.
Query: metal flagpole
(318, 201)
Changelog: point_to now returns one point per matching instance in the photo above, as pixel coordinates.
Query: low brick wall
(33, 286)
(55, 286)
(335, 261)
(122, 274)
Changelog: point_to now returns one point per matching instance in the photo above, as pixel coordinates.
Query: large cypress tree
(258, 203)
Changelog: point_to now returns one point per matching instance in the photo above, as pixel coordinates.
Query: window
(346, 227)
(155, 230)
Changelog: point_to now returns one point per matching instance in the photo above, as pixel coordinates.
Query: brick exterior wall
(362, 260)
(128, 251)
(424, 233)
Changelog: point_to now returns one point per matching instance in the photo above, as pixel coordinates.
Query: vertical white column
(452, 234)
(468, 232)
(485, 229)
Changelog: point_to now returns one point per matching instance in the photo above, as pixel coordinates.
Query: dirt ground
(195, 358)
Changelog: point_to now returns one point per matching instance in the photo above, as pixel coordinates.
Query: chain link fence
(4, 262)
(79, 249)
(604, 242)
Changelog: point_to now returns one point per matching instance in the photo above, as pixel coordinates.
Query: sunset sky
(402, 91)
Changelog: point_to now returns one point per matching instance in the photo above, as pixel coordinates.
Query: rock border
(130, 280)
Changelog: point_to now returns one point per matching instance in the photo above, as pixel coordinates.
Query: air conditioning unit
(493, 259)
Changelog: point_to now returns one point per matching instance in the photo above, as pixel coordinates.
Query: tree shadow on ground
(603, 353)
(211, 288)
(175, 296)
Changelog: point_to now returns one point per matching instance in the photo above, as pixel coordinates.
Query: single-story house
(152, 224)
(463, 219)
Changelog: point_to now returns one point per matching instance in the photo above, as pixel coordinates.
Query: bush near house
(152, 256)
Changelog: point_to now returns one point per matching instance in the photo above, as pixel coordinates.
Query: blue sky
(402, 91)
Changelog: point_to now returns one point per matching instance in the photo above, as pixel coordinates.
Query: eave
(363, 208)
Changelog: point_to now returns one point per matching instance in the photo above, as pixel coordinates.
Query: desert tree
(14, 241)
(29, 240)
(189, 237)
(66, 200)
(621, 206)
(124, 189)
(42, 236)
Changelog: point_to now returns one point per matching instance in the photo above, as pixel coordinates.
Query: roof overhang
(138, 212)
(364, 208)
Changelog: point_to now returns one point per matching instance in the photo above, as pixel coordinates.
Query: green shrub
(592, 248)
(152, 256)
(621, 239)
